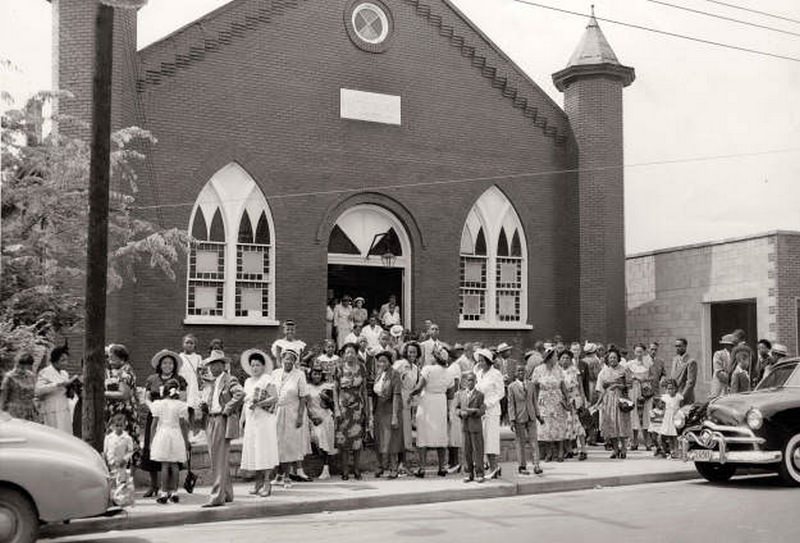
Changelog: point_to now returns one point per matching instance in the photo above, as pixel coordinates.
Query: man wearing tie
(222, 404)
(523, 412)
(470, 407)
(430, 346)
(684, 371)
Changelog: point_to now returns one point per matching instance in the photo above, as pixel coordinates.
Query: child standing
(328, 361)
(656, 420)
(470, 407)
(190, 371)
(170, 439)
(523, 413)
(321, 399)
(672, 402)
(118, 445)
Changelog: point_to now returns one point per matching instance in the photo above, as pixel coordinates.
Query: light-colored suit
(222, 426)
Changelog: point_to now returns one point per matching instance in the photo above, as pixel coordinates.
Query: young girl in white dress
(170, 438)
(672, 402)
(190, 371)
(321, 399)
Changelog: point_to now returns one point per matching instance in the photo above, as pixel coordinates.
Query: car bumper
(733, 457)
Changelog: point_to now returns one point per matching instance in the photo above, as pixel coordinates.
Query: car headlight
(679, 419)
(755, 419)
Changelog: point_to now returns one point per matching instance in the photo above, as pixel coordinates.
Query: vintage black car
(758, 429)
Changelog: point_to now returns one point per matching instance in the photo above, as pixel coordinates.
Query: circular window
(370, 23)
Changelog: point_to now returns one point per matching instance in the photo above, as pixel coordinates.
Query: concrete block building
(703, 291)
(316, 148)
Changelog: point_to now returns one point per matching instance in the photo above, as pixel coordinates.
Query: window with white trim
(493, 290)
(231, 273)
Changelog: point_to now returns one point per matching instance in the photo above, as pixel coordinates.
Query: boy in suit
(523, 412)
(469, 406)
(224, 397)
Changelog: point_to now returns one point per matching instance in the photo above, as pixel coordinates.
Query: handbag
(191, 478)
(123, 493)
(647, 390)
(625, 405)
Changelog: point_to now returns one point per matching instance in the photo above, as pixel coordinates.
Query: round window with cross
(370, 23)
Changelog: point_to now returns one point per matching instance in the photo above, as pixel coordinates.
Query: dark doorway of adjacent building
(729, 316)
(373, 283)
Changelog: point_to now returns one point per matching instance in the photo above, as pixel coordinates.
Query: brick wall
(786, 326)
(594, 106)
(668, 293)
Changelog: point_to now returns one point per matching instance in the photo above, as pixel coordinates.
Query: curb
(265, 510)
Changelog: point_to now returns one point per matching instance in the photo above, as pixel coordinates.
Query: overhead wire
(751, 10)
(724, 18)
(441, 182)
(663, 32)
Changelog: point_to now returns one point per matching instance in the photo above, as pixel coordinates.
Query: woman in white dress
(343, 320)
(431, 418)
(51, 388)
(260, 441)
(170, 438)
(490, 383)
(641, 395)
(293, 435)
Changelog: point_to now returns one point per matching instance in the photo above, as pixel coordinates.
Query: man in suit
(221, 404)
(431, 346)
(721, 367)
(523, 412)
(684, 371)
(470, 407)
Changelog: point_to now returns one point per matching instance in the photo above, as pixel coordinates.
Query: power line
(441, 182)
(664, 32)
(724, 18)
(766, 14)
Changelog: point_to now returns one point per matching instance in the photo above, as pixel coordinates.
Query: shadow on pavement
(754, 482)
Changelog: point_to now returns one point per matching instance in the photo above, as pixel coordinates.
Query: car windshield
(786, 375)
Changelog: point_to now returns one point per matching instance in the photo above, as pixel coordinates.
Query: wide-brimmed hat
(359, 298)
(589, 348)
(244, 361)
(485, 353)
(778, 348)
(727, 339)
(396, 330)
(215, 356)
(291, 350)
(164, 353)
(503, 347)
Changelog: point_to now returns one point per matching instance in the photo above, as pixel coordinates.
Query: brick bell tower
(592, 84)
(73, 65)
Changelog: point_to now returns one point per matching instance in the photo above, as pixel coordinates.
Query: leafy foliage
(44, 227)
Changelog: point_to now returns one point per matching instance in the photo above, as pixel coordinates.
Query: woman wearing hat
(490, 384)
(260, 440)
(359, 314)
(167, 366)
(408, 369)
(293, 435)
(353, 409)
(434, 383)
(612, 384)
(388, 414)
(548, 378)
(343, 320)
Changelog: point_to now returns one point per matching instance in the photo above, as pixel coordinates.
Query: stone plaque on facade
(369, 106)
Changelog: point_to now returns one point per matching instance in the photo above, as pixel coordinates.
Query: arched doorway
(369, 255)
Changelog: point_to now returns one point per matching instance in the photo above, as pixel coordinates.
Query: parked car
(46, 476)
(753, 429)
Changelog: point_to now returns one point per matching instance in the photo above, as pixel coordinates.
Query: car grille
(722, 438)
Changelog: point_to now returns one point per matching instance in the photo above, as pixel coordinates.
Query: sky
(712, 134)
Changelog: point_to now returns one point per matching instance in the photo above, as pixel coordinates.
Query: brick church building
(315, 148)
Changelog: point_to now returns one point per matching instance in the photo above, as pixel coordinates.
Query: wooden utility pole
(97, 244)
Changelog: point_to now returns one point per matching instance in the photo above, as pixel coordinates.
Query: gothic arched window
(231, 261)
(493, 265)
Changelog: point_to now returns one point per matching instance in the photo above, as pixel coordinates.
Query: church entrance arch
(369, 255)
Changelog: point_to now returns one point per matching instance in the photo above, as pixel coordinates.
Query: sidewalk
(337, 495)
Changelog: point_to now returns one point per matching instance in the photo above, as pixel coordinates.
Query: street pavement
(750, 509)
(337, 495)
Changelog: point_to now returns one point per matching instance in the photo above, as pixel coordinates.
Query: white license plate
(702, 455)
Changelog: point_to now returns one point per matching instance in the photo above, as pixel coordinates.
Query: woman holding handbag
(641, 396)
(615, 406)
(260, 439)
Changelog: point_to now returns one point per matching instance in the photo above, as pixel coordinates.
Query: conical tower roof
(593, 56)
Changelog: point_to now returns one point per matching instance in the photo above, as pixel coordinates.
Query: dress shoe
(582, 457)
(523, 471)
(174, 498)
(420, 473)
(454, 469)
(325, 475)
(469, 479)
(442, 473)
(537, 469)
(480, 480)
(150, 493)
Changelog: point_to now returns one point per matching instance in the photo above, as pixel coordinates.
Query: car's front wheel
(19, 522)
(715, 473)
(789, 468)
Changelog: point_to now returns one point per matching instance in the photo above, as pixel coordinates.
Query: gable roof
(195, 41)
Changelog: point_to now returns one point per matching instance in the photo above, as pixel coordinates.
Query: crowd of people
(386, 388)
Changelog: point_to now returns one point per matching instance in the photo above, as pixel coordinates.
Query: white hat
(780, 349)
(291, 350)
(485, 353)
(589, 348)
(215, 356)
(503, 347)
(244, 361)
(396, 330)
(166, 353)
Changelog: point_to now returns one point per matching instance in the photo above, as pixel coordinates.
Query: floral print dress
(18, 387)
(129, 408)
(572, 381)
(556, 421)
(352, 383)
